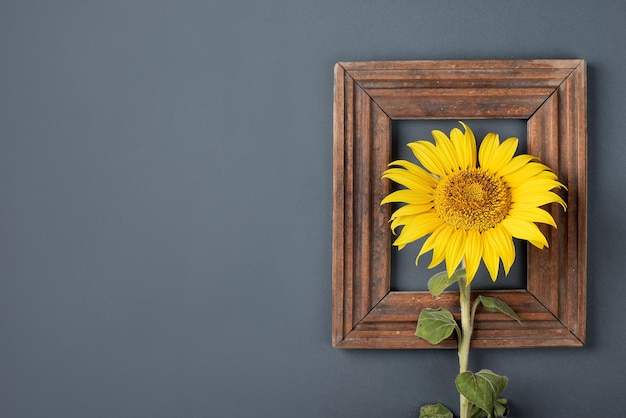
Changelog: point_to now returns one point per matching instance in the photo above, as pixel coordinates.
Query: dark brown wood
(551, 96)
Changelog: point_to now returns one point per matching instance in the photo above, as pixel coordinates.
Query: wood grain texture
(551, 96)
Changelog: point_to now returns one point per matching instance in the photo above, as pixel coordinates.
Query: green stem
(465, 338)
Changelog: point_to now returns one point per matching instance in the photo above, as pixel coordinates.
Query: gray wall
(165, 207)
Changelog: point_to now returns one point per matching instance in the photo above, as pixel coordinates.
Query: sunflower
(472, 204)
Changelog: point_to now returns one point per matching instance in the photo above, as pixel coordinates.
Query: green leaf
(435, 325)
(440, 281)
(435, 411)
(476, 412)
(501, 407)
(496, 305)
(482, 389)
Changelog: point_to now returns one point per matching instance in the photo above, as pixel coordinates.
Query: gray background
(165, 207)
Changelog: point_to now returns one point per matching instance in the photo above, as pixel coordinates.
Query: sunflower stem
(465, 338)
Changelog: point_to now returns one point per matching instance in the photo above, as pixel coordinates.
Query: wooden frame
(551, 96)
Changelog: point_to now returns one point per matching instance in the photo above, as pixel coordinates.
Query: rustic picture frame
(551, 96)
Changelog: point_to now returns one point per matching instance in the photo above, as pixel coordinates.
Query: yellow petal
(505, 247)
(515, 164)
(407, 179)
(467, 143)
(473, 253)
(427, 154)
(430, 242)
(527, 172)
(488, 149)
(455, 250)
(397, 222)
(490, 253)
(418, 227)
(415, 169)
(502, 156)
(531, 214)
(446, 150)
(407, 196)
(539, 184)
(439, 255)
(525, 230)
(440, 244)
(412, 209)
(537, 199)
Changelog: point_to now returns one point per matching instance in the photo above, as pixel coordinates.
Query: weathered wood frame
(551, 96)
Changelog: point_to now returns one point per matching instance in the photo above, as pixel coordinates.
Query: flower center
(472, 199)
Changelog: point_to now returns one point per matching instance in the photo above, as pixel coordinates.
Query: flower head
(472, 204)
